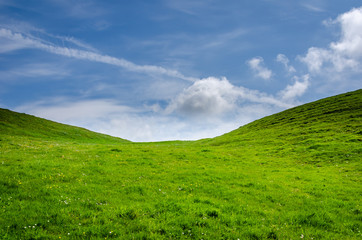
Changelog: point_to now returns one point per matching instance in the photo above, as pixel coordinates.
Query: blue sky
(172, 69)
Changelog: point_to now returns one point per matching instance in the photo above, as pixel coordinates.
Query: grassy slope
(24, 125)
(323, 131)
(292, 175)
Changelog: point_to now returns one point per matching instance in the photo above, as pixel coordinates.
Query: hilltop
(291, 175)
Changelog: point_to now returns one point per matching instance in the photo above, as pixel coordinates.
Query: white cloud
(215, 97)
(343, 55)
(256, 64)
(210, 96)
(350, 43)
(75, 41)
(13, 41)
(296, 90)
(10, 41)
(285, 61)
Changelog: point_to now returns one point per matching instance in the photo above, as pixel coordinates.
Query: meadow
(292, 175)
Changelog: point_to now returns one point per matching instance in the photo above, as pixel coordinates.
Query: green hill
(329, 129)
(20, 124)
(292, 175)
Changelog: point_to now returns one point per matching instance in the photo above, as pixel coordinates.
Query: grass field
(292, 175)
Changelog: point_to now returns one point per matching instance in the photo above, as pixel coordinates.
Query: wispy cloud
(35, 70)
(194, 45)
(312, 7)
(257, 65)
(285, 61)
(14, 41)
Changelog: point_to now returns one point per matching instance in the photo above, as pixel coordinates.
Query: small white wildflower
(302, 236)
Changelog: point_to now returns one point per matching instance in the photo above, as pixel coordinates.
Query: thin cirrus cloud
(12, 41)
(35, 70)
(313, 8)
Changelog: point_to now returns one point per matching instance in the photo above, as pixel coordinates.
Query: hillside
(20, 124)
(328, 129)
(292, 175)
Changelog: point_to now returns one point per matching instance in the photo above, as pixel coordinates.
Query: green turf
(292, 175)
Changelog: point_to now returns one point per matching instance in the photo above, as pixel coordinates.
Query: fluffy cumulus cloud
(344, 54)
(350, 44)
(206, 97)
(257, 65)
(217, 98)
